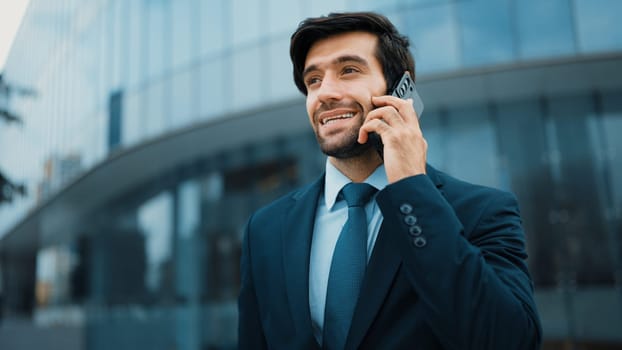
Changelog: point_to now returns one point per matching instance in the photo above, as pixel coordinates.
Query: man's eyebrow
(311, 68)
(338, 60)
(351, 58)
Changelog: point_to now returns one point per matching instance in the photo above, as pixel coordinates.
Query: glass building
(158, 126)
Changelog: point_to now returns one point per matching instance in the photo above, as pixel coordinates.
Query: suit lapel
(296, 244)
(381, 271)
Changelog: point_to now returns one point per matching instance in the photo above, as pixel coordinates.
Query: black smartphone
(404, 89)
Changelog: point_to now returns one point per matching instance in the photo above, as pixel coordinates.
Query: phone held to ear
(404, 89)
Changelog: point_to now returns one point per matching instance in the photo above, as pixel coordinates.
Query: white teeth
(337, 117)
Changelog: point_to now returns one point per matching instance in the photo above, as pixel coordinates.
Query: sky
(11, 13)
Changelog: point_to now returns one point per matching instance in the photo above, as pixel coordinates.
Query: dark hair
(392, 50)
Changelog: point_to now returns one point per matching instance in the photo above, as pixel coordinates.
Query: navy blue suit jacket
(464, 286)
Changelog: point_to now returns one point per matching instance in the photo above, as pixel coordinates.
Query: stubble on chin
(348, 147)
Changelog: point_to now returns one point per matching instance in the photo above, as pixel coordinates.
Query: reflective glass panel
(544, 28)
(157, 37)
(184, 104)
(132, 122)
(281, 83)
(184, 30)
(471, 146)
(523, 148)
(212, 20)
(190, 245)
(135, 47)
(598, 25)
(155, 222)
(246, 21)
(577, 219)
(248, 78)
(214, 88)
(433, 37)
(155, 102)
(612, 147)
(117, 31)
(324, 7)
(485, 32)
(433, 132)
(284, 16)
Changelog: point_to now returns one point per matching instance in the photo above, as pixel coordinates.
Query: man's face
(341, 74)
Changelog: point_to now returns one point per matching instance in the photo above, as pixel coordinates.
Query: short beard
(350, 149)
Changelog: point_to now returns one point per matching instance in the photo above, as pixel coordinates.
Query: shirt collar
(335, 180)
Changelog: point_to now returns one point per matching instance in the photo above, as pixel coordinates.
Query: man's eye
(348, 70)
(312, 80)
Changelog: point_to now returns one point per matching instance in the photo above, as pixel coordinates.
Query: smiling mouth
(337, 117)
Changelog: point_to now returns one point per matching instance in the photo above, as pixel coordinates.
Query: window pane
(471, 146)
(156, 13)
(214, 88)
(132, 121)
(154, 103)
(245, 15)
(281, 80)
(433, 132)
(211, 23)
(433, 37)
(87, 65)
(53, 275)
(182, 99)
(117, 32)
(115, 119)
(324, 7)
(544, 28)
(135, 44)
(155, 221)
(598, 24)
(372, 5)
(248, 87)
(183, 31)
(578, 218)
(188, 259)
(612, 126)
(531, 181)
(284, 16)
(485, 32)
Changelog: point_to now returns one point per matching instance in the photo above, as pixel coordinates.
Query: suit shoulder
(457, 189)
(474, 202)
(280, 205)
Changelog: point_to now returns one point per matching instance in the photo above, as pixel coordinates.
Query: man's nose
(329, 90)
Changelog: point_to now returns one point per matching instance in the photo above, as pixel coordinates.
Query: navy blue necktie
(347, 268)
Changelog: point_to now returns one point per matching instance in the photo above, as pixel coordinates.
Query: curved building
(158, 126)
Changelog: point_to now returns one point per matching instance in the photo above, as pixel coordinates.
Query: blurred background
(137, 136)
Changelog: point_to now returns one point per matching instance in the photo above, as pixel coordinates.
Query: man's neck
(357, 168)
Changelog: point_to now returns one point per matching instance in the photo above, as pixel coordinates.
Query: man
(443, 260)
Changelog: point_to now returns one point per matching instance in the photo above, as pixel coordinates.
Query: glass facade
(156, 265)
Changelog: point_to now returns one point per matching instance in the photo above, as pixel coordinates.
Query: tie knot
(357, 194)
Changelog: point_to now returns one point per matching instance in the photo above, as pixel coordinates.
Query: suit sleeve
(474, 286)
(250, 331)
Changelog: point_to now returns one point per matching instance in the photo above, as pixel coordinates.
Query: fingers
(404, 107)
(387, 114)
(391, 111)
(405, 148)
(376, 125)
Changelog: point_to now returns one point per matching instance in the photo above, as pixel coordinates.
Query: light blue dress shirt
(330, 216)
